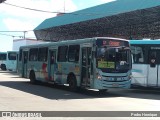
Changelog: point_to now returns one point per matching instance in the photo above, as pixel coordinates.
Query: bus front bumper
(100, 84)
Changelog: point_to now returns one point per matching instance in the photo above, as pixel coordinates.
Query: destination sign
(110, 42)
(155, 48)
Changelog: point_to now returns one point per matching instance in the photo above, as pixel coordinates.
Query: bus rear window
(12, 56)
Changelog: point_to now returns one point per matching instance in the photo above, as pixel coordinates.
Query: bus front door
(24, 63)
(86, 66)
(52, 64)
(154, 68)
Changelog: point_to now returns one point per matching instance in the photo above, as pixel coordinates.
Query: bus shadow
(51, 91)
(152, 94)
(54, 92)
(4, 71)
(9, 72)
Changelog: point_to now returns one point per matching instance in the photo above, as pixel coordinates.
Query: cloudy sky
(18, 19)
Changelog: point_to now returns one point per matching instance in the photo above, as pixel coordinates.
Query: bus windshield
(113, 59)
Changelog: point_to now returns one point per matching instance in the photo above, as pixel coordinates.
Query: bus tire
(72, 83)
(103, 91)
(32, 77)
(3, 67)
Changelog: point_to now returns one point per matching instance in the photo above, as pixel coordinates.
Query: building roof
(129, 19)
(100, 11)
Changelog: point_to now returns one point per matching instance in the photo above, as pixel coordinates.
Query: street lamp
(1, 1)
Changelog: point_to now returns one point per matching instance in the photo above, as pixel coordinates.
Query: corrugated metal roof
(104, 10)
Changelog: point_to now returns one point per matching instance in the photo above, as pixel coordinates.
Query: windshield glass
(113, 59)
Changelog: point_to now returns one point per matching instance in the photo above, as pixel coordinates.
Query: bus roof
(12, 51)
(3, 52)
(144, 42)
(78, 41)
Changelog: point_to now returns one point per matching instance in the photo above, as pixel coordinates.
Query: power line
(17, 31)
(31, 8)
(24, 33)
(88, 14)
(11, 35)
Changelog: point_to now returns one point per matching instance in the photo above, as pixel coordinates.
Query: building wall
(17, 43)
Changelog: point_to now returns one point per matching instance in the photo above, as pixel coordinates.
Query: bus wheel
(32, 78)
(72, 83)
(102, 91)
(3, 67)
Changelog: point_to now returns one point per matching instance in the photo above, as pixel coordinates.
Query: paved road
(17, 94)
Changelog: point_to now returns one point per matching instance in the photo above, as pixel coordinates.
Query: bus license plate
(115, 85)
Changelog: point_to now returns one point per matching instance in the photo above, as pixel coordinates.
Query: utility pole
(64, 7)
(24, 36)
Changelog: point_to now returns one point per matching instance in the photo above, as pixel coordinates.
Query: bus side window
(33, 54)
(42, 54)
(62, 53)
(73, 53)
(138, 54)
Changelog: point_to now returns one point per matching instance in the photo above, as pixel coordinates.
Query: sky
(19, 19)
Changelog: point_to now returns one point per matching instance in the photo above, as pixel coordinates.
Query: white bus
(146, 62)
(3, 59)
(91, 63)
(11, 63)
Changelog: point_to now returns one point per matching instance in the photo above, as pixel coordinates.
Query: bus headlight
(98, 76)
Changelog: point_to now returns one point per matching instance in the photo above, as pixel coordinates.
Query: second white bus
(146, 63)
